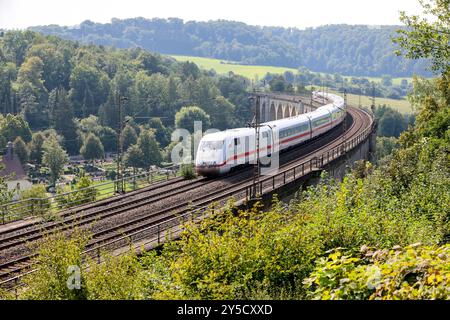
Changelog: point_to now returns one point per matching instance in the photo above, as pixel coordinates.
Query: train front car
(210, 157)
(219, 153)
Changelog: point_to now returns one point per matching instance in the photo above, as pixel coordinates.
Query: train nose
(207, 170)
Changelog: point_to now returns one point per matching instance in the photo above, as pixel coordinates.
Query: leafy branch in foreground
(413, 272)
(425, 39)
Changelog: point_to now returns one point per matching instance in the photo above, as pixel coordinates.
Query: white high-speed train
(220, 152)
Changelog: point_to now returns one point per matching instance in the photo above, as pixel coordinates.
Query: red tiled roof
(12, 166)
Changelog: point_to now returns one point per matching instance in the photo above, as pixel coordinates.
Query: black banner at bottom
(129, 310)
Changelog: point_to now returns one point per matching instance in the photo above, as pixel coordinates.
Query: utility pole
(372, 107)
(256, 168)
(119, 178)
(323, 91)
(345, 114)
(360, 90)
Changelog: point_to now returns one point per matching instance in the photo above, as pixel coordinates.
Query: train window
(321, 121)
(212, 145)
(236, 141)
(294, 130)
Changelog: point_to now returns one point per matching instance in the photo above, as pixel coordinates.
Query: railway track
(73, 221)
(21, 262)
(82, 208)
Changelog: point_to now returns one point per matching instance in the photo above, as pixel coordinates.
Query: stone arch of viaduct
(275, 107)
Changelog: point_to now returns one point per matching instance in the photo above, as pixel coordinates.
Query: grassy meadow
(254, 72)
(258, 72)
(402, 106)
(223, 67)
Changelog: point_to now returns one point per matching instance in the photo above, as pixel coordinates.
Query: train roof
(334, 97)
(288, 121)
(221, 135)
(242, 132)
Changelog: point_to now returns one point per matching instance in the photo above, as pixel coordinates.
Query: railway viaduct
(148, 217)
(275, 106)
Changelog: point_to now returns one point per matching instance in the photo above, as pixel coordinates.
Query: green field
(258, 72)
(402, 106)
(223, 67)
(254, 72)
(395, 81)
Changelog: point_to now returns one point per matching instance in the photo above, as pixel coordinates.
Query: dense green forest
(355, 50)
(68, 93)
(47, 83)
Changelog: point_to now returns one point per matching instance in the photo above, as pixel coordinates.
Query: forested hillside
(47, 83)
(355, 50)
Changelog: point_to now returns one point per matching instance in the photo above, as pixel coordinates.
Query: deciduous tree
(134, 157)
(92, 148)
(150, 148)
(54, 157)
(185, 118)
(36, 147)
(21, 150)
(427, 37)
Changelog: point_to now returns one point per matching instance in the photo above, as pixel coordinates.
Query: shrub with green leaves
(64, 273)
(116, 278)
(413, 272)
(84, 193)
(269, 254)
(56, 254)
(188, 172)
(37, 199)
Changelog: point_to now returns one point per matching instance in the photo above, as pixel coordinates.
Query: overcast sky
(286, 13)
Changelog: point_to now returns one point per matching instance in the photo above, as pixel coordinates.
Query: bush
(56, 254)
(60, 263)
(84, 193)
(111, 174)
(413, 272)
(117, 278)
(37, 199)
(188, 172)
(268, 254)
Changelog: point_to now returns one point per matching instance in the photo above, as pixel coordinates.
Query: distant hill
(345, 49)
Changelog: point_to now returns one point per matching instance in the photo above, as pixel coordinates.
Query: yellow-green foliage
(55, 255)
(37, 199)
(238, 253)
(83, 193)
(187, 171)
(413, 272)
(274, 251)
(115, 278)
